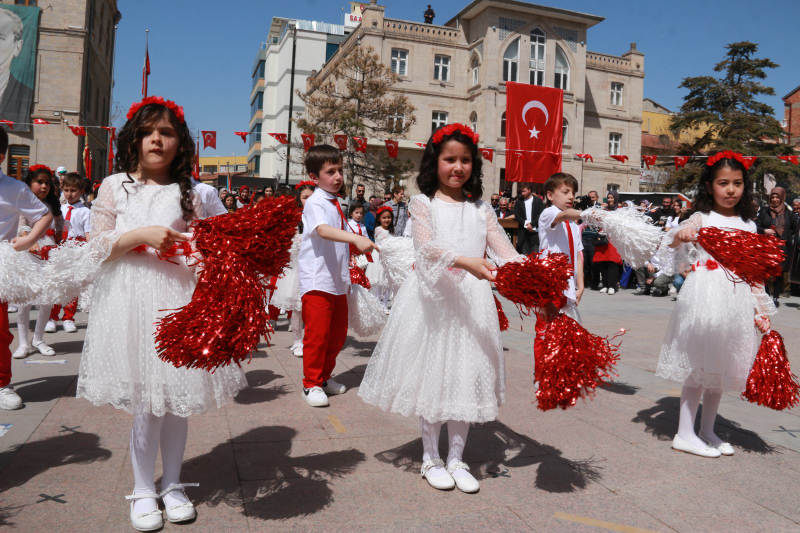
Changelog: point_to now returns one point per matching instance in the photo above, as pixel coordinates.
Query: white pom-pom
(365, 315)
(362, 261)
(72, 267)
(397, 258)
(20, 275)
(629, 230)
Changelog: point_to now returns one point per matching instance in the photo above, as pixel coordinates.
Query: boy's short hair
(3, 141)
(320, 154)
(353, 208)
(557, 180)
(73, 179)
(398, 188)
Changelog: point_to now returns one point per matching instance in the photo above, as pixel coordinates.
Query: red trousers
(69, 311)
(325, 318)
(5, 341)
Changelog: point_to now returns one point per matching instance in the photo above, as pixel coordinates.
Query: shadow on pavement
(62, 348)
(254, 394)
(285, 486)
(43, 389)
(496, 446)
(664, 429)
(359, 348)
(620, 387)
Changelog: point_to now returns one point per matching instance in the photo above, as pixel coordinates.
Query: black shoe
(657, 292)
(641, 292)
(777, 303)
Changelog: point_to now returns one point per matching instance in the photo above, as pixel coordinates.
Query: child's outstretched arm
(363, 244)
(567, 214)
(38, 229)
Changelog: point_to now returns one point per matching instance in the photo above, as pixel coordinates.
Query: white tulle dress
(440, 355)
(119, 364)
(287, 288)
(374, 271)
(711, 337)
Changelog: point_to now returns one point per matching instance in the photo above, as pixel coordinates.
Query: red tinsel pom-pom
(535, 282)
(752, 257)
(501, 315)
(572, 363)
(771, 382)
(226, 317)
(359, 277)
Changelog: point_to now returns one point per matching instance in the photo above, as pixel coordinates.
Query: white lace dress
(711, 337)
(375, 272)
(119, 364)
(440, 355)
(287, 288)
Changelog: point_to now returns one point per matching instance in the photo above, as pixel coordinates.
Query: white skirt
(287, 291)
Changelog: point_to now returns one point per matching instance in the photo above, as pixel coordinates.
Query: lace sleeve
(104, 210)
(499, 248)
(24, 226)
(678, 259)
(433, 260)
(764, 306)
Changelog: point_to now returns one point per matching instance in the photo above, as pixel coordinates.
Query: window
(438, 120)
(538, 40)
(18, 160)
(212, 169)
(564, 131)
(25, 2)
(612, 187)
(614, 143)
(562, 70)
(257, 104)
(503, 125)
(475, 67)
(399, 61)
(256, 165)
(616, 94)
(510, 61)
(255, 135)
(473, 121)
(259, 72)
(397, 123)
(441, 68)
(330, 49)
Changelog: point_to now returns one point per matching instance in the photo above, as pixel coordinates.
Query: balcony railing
(605, 61)
(423, 31)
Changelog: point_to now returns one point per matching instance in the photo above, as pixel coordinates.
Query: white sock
(297, 328)
(144, 452)
(708, 417)
(457, 432)
(430, 446)
(174, 432)
(41, 322)
(23, 324)
(690, 401)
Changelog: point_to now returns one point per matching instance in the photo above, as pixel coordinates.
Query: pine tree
(735, 119)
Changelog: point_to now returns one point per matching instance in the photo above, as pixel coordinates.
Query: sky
(202, 51)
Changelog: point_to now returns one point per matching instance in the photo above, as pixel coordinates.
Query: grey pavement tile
(495, 520)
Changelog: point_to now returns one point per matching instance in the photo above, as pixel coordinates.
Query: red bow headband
(452, 128)
(302, 183)
(34, 168)
(727, 154)
(158, 100)
(383, 209)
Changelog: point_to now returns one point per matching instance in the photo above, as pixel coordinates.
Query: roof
(792, 92)
(654, 141)
(475, 7)
(657, 104)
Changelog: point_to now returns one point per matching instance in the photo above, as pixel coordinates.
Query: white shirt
(355, 227)
(210, 198)
(323, 265)
(16, 199)
(528, 211)
(555, 240)
(80, 220)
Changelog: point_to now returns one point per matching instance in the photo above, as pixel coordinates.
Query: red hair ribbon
(727, 154)
(169, 104)
(34, 168)
(383, 209)
(452, 128)
(302, 183)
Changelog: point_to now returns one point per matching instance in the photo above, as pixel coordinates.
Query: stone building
(791, 116)
(457, 72)
(73, 84)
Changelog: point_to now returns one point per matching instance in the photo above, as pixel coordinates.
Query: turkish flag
(680, 161)
(620, 158)
(341, 141)
(209, 139)
(793, 159)
(113, 131)
(40, 121)
(79, 131)
(391, 148)
(361, 144)
(280, 137)
(421, 145)
(534, 119)
(748, 161)
(8, 123)
(308, 140)
(488, 154)
(586, 157)
(242, 134)
(649, 160)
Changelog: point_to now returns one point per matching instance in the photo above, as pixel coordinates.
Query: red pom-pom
(571, 364)
(501, 315)
(771, 382)
(226, 317)
(535, 282)
(751, 257)
(359, 277)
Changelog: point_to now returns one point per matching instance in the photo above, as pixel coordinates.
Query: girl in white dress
(148, 206)
(376, 274)
(440, 357)
(287, 288)
(711, 341)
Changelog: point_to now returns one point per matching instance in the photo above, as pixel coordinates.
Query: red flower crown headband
(169, 104)
(383, 209)
(34, 168)
(452, 128)
(727, 154)
(302, 183)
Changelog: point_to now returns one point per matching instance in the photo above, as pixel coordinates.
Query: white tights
(297, 329)
(148, 432)
(457, 432)
(24, 320)
(690, 402)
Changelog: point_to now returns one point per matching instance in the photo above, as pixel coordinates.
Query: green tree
(729, 107)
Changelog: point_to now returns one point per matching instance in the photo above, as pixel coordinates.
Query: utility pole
(291, 101)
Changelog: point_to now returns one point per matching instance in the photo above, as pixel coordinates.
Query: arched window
(475, 67)
(511, 61)
(562, 70)
(538, 40)
(564, 131)
(503, 125)
(473, 121)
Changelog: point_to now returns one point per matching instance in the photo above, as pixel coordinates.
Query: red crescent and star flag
(308, 140)
(209, 139)
(361, 144)
(242, 134)
(341, 141)
(392, 147)
(280, 137)
(488, 154)
(534, 116)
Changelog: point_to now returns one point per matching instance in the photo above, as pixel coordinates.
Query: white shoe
(673, 290)
(724, 448)
(436, 475)
(22, 352)
(50, 327)
(43, 348)
(12, 308)
(290, 326)
(149, 521)
(316, 397)
(386, 311)
(9, 399)
(464, 480)
(332, 388)
(181, 512)
(69, 326)
(683, 446)
(610, 291)
(297, 351)
(604, 290)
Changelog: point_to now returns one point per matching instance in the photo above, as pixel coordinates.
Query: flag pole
(146, 68)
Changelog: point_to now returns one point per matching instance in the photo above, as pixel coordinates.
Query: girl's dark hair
(52, 196)
(704, 200)
(127, 157)
(302, 188)
(391, 224)
(283, 190)
(428, 177)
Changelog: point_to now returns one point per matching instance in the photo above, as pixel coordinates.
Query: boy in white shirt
(324, 272)
(77, 225)
(558, 233)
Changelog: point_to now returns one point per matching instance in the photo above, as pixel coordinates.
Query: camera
(582, 202)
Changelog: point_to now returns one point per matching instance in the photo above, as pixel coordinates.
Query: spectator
(230, 203)
(505, 212)
(428, 15)
(607, 261)
(269, 192)
(257, 197)
(778, 221)
(595, 199)
(674, 220)
(495, 202)
(370, 219)
(244, 197)
(223, 192)
(526, 212)
(796, 206)
(655, 281)
(387, 197)
(359, 198)
(662, 214)
(399, 209)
